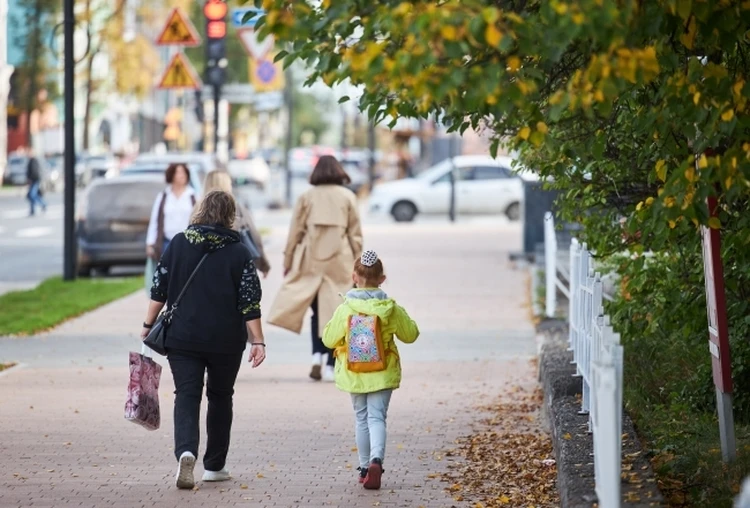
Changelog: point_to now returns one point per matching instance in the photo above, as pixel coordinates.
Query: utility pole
(5, 73)
(289, 92)
(69, 253)
(452, 152)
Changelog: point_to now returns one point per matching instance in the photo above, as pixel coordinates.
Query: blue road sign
(239, 14)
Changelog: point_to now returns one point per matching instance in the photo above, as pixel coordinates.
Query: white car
(483, 186)
(254, 170)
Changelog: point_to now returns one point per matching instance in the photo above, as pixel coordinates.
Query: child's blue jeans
(371, 411)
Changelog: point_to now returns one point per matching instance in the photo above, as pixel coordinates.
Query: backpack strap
(160, 225)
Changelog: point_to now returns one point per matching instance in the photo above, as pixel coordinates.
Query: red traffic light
(215, 10)
(216, 29)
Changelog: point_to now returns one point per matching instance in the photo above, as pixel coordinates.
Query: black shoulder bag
(157, 337)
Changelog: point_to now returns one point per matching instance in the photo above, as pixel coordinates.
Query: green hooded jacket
(394, 323)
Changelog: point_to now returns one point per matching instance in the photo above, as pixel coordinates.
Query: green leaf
(281, 54)
(343, 99)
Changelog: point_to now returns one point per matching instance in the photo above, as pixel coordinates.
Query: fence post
(575, 250)
(550, 269)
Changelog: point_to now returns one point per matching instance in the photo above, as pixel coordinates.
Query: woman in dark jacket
(218, 315)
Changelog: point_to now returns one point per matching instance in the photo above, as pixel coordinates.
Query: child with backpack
(362, 333)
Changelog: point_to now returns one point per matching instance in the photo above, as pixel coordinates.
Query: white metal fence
(551, 268)
(598, 357)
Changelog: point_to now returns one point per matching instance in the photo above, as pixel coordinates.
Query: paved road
(31, 248)
(63, 440)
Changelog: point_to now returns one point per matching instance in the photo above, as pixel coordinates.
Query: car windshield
(196, 172)
(123, 200)
(435, 171)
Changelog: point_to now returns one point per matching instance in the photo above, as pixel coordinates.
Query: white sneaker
(184, 478)
(216, 476)
(329, 374)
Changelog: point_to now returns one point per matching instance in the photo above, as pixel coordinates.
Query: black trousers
(188, 370)
(317, 341)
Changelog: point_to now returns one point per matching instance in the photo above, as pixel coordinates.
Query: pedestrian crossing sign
(266, 75)
(180, 74)
(178, 31)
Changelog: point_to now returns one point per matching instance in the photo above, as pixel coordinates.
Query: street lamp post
(5, 72)
(69, 252)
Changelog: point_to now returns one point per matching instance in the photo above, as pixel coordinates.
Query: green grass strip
(55, 301)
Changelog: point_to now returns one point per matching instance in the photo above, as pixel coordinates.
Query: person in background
(324, 240)
(221, 180)
(34, 178)
(218, 316)
(171, 211)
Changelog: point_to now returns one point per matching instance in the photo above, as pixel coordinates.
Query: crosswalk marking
(53, 212)
(37, 232)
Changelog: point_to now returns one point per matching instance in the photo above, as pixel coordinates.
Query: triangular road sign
(178, 31)
(255, 48)
(180, 74)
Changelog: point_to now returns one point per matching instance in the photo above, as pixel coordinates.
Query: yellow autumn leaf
(714, 223)
(728, 182)
(690, 174)
(492, 35)
(649, 201)
(639, 206)
(560, 8)
(449, 32)
(696, 98)
(669, 201)
(567, 436)
(599, 96)
(578, 18)
(514, 63)
(504, 499)
(491, 100)
(536, 138)
(672, 224)
(542, 127)
(727, 115)
(703, 161)
(737, 88)
(524, 133)
(688, 38)
(661, 170)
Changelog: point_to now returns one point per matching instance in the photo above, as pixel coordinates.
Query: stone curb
(573, 444)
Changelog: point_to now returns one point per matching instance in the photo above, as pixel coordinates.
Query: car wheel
(513, 212)
(404, 211)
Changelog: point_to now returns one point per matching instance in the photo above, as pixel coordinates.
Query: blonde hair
(217, 208)
(217, 180)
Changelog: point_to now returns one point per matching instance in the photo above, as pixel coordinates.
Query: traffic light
(215, 12)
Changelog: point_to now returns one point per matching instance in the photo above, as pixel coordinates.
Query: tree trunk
(89, 84)
(89, 92)
(35, 43)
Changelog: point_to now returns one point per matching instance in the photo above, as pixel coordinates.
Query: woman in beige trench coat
(325, 238)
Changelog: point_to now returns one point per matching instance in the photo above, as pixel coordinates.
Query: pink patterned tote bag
(142, 404)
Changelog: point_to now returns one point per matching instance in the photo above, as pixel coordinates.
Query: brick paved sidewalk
(64, 442)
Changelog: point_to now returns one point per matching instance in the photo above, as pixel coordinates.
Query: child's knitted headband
(369, 258)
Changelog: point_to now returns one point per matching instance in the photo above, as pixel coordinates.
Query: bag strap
(190, 279)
